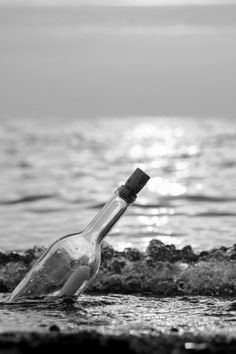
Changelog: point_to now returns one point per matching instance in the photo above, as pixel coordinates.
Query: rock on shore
(156, 309)
(160, 270)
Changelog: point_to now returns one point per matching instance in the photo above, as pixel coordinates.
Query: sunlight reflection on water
(55, 176)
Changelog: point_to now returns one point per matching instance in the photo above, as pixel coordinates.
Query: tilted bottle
(71, 263)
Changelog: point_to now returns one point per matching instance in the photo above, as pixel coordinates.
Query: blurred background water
(55, 176)
(87, 94)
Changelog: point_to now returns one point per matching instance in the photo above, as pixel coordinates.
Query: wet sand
(134, 324)
(140, 302)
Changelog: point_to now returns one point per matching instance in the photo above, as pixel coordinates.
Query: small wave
(45, 210)
(228, 164)
(27, 199)
(165, 201)
(144, 206)
(213, 214)
(202, 214)
(97, 206)
(201, 198)
(152, 205)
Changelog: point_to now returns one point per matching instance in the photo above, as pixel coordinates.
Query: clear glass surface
(71, 263)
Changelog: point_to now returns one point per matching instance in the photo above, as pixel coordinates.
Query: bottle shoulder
(75, 244)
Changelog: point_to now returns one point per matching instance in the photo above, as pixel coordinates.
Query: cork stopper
(133, 185)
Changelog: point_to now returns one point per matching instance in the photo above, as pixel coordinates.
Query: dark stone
(231, 252)
(3, 258)
(133, 284)
(54, 328)
(32, 254)
(132, 254)
(158, 251)
(158, 271)
(148, 260)
(107, 254)
(218, 255)
(188, 255)
(117, 264)
(203, 254)
(10, 257)
(3, 286)
(113, 284)
(173, 329)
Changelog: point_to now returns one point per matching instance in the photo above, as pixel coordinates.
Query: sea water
(56, 174)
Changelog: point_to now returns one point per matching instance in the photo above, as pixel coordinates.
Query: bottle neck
(106, 218)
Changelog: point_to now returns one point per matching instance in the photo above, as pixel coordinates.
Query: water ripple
(66, 170)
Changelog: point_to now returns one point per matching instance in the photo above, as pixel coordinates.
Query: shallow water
(123, 314)
(55, 175)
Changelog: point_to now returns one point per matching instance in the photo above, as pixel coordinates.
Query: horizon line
(117, 3)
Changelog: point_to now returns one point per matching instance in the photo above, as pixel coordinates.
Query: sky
(117, 61)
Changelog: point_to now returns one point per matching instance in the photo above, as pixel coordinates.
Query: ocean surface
(56, 174)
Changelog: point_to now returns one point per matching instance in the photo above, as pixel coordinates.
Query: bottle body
(72, 262)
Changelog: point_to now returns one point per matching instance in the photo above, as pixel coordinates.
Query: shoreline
(137, 304)
(120, 322)
(161, 270)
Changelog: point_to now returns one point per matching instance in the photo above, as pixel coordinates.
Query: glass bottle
(71, 263)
